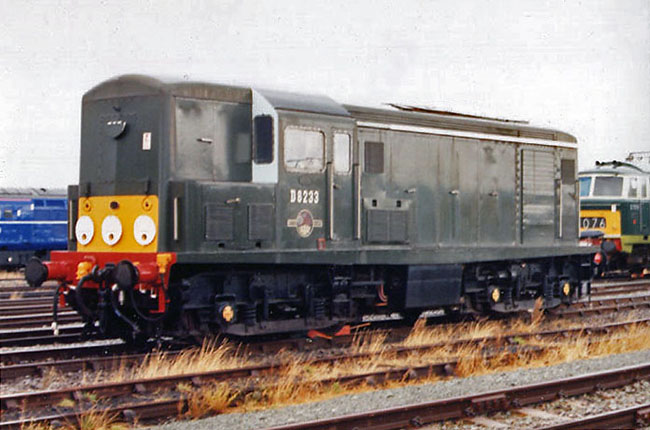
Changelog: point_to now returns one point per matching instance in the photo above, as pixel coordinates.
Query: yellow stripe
(128, 208)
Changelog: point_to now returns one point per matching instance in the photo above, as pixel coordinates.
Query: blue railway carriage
(33, 221)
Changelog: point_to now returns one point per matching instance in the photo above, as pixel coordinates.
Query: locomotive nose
(35, 272)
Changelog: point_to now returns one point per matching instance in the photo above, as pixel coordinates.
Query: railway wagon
(33, 222)
(615, 215)
(211, 208)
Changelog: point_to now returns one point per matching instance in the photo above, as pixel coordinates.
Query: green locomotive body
(212, 208)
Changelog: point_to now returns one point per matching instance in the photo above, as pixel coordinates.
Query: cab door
(303, 188)
(341, 186)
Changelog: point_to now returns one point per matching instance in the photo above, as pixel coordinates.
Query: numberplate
(593, 222)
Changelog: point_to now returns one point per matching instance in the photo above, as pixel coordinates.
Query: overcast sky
(579, 66)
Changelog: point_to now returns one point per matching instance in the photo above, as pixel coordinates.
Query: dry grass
(97, 420)
(537, 316)
(208, 400)
(300, 379)
(94, 419)
(32, 426)
(211, 356)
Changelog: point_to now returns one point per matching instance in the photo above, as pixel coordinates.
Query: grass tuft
(209, 400)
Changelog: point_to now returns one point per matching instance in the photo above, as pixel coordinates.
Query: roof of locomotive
(138, 85)
(615, 168)
(456, 121)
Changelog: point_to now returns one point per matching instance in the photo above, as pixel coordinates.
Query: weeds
(210, 399)
(301, 379)
(211, 356)
(93, 419)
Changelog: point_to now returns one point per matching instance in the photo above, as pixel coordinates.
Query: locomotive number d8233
(206, 208)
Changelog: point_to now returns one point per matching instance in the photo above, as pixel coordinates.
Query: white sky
(579, 66)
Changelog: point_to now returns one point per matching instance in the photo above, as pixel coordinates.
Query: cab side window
(304, 149)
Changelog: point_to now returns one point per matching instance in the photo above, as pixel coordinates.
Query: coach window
(342, 152)
(373, 157)
(7, 214)
(304, 150)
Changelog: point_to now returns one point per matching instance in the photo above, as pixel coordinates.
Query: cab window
(585, 186)
(304, 150)
(608, 186)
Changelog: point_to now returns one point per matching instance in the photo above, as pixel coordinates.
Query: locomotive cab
(615, 214)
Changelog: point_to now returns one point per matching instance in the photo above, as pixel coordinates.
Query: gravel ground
(355, 403)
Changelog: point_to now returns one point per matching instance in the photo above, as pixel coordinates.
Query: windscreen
(608, 186)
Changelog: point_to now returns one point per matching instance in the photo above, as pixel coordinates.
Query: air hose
(140, 313)
(83, 309)
(55, 309)
(126, 319)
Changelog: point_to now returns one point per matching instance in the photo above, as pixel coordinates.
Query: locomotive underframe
(245, 300)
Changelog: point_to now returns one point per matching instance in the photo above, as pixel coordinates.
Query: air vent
(260, 222)
(219, 222)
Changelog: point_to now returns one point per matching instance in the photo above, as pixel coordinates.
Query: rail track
(130, 390)
(40, 336)
(607, 287)
(418, 415)
(603, 306)
(108, 356)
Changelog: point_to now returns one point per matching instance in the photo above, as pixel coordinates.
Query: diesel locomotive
(615, 215)
(32, 223)
(206, 208)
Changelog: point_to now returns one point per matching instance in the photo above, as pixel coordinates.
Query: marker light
(144, 230)
(111, 230)
(84, 230)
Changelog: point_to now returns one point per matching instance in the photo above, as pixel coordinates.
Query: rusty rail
(634, 417)
(468, 406)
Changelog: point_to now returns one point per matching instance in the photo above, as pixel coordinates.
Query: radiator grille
(387, 226)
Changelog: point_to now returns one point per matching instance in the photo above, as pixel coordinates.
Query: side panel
(445, 280)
